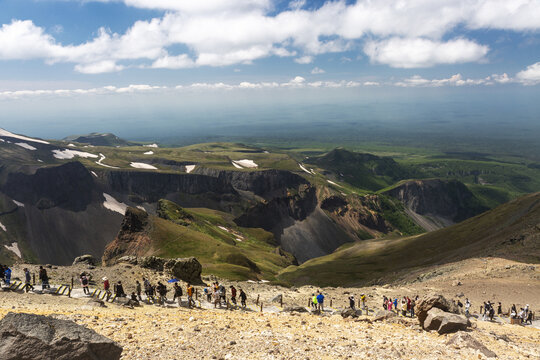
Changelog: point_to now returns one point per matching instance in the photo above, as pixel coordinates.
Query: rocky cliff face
(68, 186)
(361, 216)
(133, 237)
(434, 204)
(58, 214)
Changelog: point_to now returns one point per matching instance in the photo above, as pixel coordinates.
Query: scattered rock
(456, 283)
(299, 309)
(85, 259)
(351, 313)
(277, 298)
(384, 315)
(37, 337)
(464, 340)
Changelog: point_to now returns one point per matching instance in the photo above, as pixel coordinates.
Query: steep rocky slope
(510, 231)
(223, 248)
(434, 203)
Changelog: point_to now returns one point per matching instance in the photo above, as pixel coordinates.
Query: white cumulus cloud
(531, 75)
(419, 52)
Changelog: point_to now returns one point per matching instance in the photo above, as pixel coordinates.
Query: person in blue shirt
(320, 301)
(7, 274)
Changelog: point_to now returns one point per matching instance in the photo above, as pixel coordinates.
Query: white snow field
(26, 146)
(190, 168)
(70, 154)
(15, 249)
(20, 137)
(114, 205)
(245, 163)
(139, 165)
(149, 153)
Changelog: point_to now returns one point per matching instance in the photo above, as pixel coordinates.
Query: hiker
(106, 287)
(133, 298)
(222, 294)
(499, 309)
(526, 310)
(216, 297)
(314, 301)
(7, 275)
(363, 300)
(529, 318)
(147, 288)
(162, 292)
(320, 301)
(84, 284)
(208, 294)
(177, 293)
(351, 302)
(44, 278)
(514, 310)
(233, 294)
(404, 306)
(389, 305)
(119, 290)
(243, 298)
(413, 304)
(395, 304)
(385, 303)
(27, 280)
(190, 292)
(467, 307)
(138, 290)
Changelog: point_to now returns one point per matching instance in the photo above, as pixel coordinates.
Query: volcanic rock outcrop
(37, 337)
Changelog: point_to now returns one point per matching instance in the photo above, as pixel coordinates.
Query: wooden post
(281, 301)
(330, 302)
(33, 278)
(258, 300)
(261, 306)
(308, 302)
(196, 294)
(72, 282)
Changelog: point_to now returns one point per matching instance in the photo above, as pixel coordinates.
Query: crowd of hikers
(404, 306)
(217, 293)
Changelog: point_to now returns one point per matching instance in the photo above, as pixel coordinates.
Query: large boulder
(186, 269)
(85, 259)
(351, 313)
(384, 315)
(152, 262)
(37, 337)
(433, 301)
(445, 322)
(128, 259)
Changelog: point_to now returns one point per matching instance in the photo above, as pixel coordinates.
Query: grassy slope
(217, 249)
(375, 260)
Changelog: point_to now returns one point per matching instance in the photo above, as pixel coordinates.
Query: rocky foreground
(152, 332)
(167, 332)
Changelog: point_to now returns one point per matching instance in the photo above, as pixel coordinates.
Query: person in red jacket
(106, 287)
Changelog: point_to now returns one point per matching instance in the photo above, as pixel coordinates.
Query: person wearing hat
(106, 286)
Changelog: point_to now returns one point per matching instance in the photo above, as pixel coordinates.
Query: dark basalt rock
(37, 337)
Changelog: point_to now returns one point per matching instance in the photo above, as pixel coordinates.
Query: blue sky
(70, 52)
